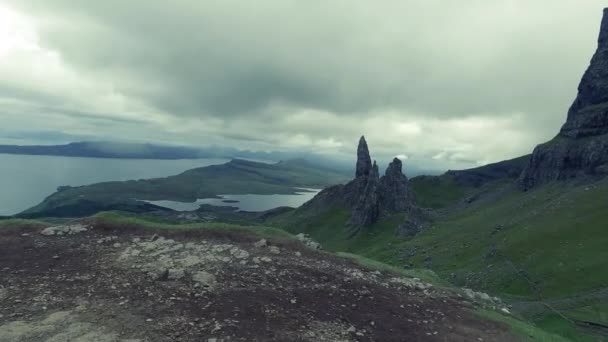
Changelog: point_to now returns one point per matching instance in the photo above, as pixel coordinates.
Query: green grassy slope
(544, 247)
(235, 177)
(549, 246)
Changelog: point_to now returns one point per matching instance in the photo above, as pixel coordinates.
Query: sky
(442, 84)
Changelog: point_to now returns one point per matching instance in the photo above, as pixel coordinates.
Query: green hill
(234, 177)
(544, 250)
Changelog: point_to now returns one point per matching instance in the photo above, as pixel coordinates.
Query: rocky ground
(91, 282)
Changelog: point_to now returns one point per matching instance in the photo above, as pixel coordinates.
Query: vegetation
(525, 330)
(437, 192)
(235, 177)
(131, 221)
(8, 223)
(537, 248)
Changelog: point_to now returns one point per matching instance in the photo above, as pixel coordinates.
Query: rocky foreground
(90, 282)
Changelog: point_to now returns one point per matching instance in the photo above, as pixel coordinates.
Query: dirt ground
(105, 284)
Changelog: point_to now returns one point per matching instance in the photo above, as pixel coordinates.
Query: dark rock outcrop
(364, 161)
(367, 196)
(588, 115)
(581, 147)
(367, 207)
(395, 195)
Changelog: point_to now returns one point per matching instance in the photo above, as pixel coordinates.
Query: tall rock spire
(364, 161)
(368, 197)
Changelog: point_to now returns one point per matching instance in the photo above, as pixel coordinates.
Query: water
(244, 202)
(26, 180)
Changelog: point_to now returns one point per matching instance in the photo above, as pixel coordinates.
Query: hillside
(234, 177)
(115, 279)
(532, 230)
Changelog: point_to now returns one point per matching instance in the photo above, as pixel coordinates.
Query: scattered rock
(205, 279)
(274, 250)
(64, 230)
(107, 239)
(412, 283)
(175, 274)
(261, 243)
(307, 241)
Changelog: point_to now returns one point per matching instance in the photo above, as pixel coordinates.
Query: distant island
(235, 177)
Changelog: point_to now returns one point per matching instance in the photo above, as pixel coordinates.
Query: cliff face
(588, 115)
(581, 147)
(368, 196)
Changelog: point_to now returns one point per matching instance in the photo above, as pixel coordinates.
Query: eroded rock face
(367, 196)
(581, 147)
(364, 161)
(395, 193)
(367, 208)
(588, 115)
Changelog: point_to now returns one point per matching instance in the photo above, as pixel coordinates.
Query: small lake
(26, 180)
(244, 202)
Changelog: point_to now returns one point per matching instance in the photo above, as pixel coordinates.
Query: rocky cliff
(368, 196)
(581, 147)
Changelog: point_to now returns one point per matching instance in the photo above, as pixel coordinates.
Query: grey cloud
(252, 65)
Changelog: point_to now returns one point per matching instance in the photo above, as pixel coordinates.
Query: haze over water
(26, 180)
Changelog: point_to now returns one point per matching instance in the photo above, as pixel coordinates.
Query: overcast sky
(449, 84)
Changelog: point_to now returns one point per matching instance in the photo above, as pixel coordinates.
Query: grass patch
(21, 223)
(524, 329)
(120, 220)
(423, 274)
(437, 192)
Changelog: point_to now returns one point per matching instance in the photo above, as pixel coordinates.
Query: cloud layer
(449, 85)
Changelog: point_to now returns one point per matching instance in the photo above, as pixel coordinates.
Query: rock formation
(395, 195)
(581, 147)
(367, 196)
(364, 161)
(367, 206)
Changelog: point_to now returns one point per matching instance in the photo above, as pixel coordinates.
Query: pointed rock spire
(364, 161)
(588, 115)
(603, 39)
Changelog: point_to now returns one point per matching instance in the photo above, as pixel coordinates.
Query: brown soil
(100, 285)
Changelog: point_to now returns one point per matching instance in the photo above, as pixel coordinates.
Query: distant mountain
(105, 149)
(124, 150)
(108, 150)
